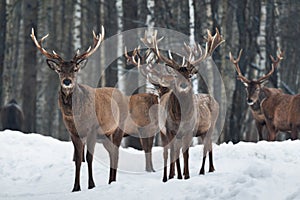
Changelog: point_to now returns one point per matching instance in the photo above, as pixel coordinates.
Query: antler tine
(136, 56)
(97, 41)
(39, 45)
(274, 65)
(237, 68)
(132, 59)
(153, 45)
(214, 41)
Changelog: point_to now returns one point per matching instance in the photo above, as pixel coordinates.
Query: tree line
(260, 28)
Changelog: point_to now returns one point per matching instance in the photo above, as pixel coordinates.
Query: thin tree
(30, 65)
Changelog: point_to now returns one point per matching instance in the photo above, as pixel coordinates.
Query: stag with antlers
(257, 92)
(182, 114)
(87, 111)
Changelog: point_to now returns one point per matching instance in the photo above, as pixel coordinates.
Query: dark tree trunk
(289, 34)
(30, 72)
(271, 43)
(2, 44)
(111, 26)
(248, 22)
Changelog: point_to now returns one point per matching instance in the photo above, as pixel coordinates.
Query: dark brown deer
(182, 114)
(88, 111)
(257, 92)
(12, 116)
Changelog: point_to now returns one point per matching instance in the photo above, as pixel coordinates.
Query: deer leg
(186, 172)
(78, 157)
(117, 138)
(202, 170)
(108, 145)
(147, 143)
(187, 141)
(179, 175)
(259, 127)
(165, 156)
(172, 160)
(177, 157)
(209, 149)
(294, 134)
(91, 141)
(271, 132)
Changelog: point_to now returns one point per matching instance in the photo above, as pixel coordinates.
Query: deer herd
(176, 113)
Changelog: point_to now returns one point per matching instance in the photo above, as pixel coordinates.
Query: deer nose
(250, 102)
(67, 82)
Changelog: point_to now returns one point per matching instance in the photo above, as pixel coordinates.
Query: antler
(194, 54)
(97, 41)
(152, 44)
(212, 42)
(237, 68)
(136, 58)
(274, 65)
(39, 45)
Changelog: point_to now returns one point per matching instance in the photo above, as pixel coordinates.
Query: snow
(33, 166)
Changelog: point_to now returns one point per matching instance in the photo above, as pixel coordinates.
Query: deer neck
(181, 106)
(256, 107)
(66, 100)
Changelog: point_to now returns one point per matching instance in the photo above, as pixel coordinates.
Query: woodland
(258, 27)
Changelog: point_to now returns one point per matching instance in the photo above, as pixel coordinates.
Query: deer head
(253, 87)
(187, 68)
(67, 70)
(193, 54)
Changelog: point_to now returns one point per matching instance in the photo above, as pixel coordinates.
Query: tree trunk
(247, 16)
(2, 44)
(111, 26)
(271, 43)
(29, 79)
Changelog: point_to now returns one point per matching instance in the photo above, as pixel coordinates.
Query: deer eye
(58, 70)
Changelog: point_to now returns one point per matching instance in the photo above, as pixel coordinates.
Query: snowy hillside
(37, 167)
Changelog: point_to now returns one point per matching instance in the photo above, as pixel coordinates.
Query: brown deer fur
(282, 113)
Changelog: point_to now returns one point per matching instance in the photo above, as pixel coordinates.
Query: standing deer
(257, 92)
(12, 116)
(87, 111)
(182, 114)
(143, 122)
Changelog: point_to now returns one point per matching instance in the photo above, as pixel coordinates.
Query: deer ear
(81, 64)
(53, 65)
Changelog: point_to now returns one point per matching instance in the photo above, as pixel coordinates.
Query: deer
(87, 111)
(143, 118)
(143, 122)
(182, 114)
(257, 92)
(12, 116)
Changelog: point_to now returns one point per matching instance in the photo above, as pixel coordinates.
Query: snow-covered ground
(38, 167)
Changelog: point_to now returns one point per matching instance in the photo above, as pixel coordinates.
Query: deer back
(282, 110)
